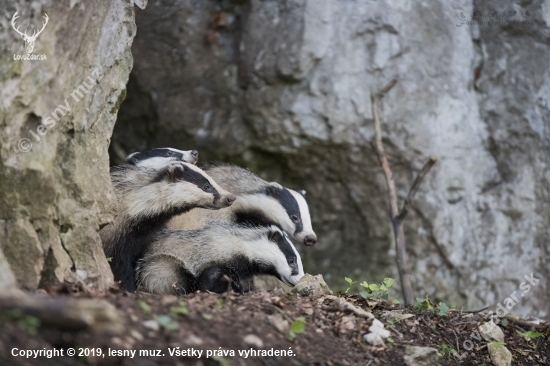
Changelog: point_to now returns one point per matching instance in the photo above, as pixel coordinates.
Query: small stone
(378, 328)
(151, 324)
(319, 330)
(137, 335)
(312, 286)
(500, 355)
(491, 332)
(374, 339)
(279, 323)
(421, 356)
(253, 341)
(193, 340)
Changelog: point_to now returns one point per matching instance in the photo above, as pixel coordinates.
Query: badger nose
(310, 240)
(230, 199)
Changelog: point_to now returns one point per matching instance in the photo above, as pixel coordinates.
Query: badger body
(180, 261)
(259, 203)
(160, 156)
(147, 198)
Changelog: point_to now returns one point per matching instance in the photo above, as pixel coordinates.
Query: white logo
(29, 40)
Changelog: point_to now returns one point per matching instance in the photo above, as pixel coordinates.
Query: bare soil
(204, 321)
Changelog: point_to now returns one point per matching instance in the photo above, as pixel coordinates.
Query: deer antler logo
(29, 40)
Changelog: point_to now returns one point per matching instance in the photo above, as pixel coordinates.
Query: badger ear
(132, 158)
(176, 172)
(275, 236)
(276, 185)
(273, 189)
(302, 192)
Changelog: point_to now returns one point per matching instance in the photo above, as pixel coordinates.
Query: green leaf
(348, 280)
(390, 339)
(298, 326)
(530, 334)
(388, 282)
(373, 287)
(145, 307)
(443, 309)
(181, 309)
(383, 288)
(498, 344)
(364, 284)
(166, 321)
(503, 322)
(396, 302)
(422, 304)
(365, 295)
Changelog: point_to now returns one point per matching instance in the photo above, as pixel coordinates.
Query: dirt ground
(321, 333)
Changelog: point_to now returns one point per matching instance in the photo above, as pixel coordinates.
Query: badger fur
(259, 203)
(160, 156)
(147, 198)
(180, 262)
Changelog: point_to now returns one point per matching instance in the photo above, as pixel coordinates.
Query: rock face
(282, 87)
(56, 118)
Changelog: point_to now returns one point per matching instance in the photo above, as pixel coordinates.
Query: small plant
(443, 309)
(530, 334)
(374, 291)
(445, 350)
(497, 345)
(298, 326)
(145, 307)
(181, 309)
(27, 323)
(350, 283)
(423, 304)
(503, 322)
(166, 321)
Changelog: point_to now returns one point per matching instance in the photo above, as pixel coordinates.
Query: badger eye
(295, 218)
(207, 188)
(169, 154)
(291, 261)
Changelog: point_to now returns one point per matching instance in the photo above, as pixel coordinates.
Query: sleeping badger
(259, 203)
(147, 198)
(215, 257)
(160, 156)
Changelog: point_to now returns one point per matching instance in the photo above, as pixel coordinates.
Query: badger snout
(310, 240)
(229, 199)
(194, 157)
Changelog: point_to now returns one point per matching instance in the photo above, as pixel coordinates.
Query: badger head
(159, 157)
(175, 188)
(278, 256)
(289, 210)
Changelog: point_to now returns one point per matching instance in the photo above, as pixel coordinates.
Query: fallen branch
(396, 215)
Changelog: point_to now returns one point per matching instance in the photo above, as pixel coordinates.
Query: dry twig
(397, 216)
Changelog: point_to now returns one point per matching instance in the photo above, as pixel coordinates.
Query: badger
(215, 257)
(159, 157)
(147, 198)
(259, 203)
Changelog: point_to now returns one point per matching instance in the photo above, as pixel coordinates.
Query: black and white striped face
(174, 186)
(277, 250)
(159, 157)
(296, 219)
